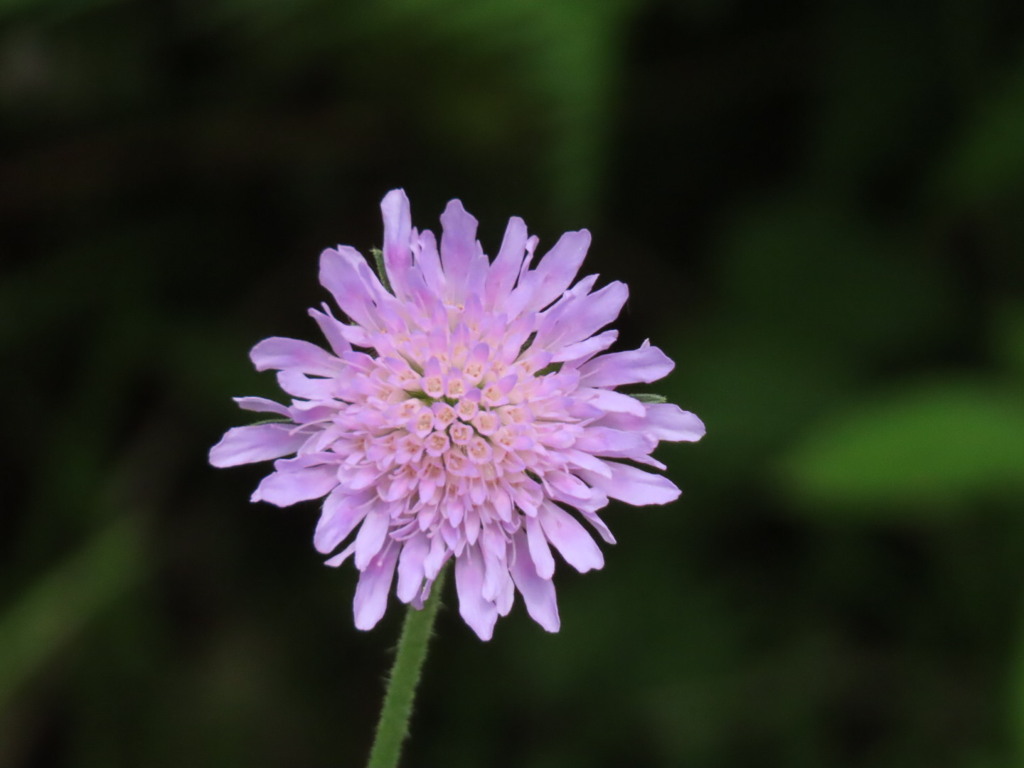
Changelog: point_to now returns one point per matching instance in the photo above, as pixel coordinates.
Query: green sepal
(647, 397)
(382, 273)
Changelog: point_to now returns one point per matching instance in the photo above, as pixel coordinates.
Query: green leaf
(56, 610)
(1015, 710)
(1008, 336)
(928, 449)
(986, 161)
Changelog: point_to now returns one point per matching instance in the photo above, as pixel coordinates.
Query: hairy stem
(393, 726)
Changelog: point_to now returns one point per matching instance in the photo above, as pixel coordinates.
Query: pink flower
(461, 412)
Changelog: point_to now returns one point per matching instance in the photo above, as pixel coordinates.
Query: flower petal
(493, 548)
(479, 613)
(371, 600)
(578, 315)
(428, 263)
(645, 364)
(616, 443)
(538, 593)
(585, 349)
(332, 329)
(507, 264)
(288, 486)
(297, 384)
(668, 421)
(570, 538)
(662, 421)
(345, 273)
(610, 400)
(339, 275)
(258, 442)
(397, 235)
(278, 353)
(372, 536)
(599, 525)
(261, 405)
(633, 486)
(340, 558)
(556, 271)
(342, 512)
(540, 553)
(465, 266)
(410, 567)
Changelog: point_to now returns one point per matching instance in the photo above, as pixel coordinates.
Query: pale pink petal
(556, 270)
(340, 558)
(506, 593)
(540, 553)
(371, 598)
(503, 273)
(342, 512)
(428, 262)
(633, 486)
(610, 400)
(397, 236)
(340, 274)
(662, 421)
(286, 487)
(585, 315)
(478, 613)
(261, 405)
(259, 442)
(570, 539)
(332, 329)
(458, 238)
(297, 384)
(355, 335)
(598, 525)
(567, 484)
(410, 567)
(278, 353)
(645, 364)
(538, 593)
(585, 349)
(460, 254)
(670, 422)
(372, 536)
(583, 460)
(614, 443)
(436, 558)
(493, 548)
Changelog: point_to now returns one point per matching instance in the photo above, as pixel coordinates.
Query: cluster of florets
(480, 408)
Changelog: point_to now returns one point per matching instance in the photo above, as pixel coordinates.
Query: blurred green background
(818, 208)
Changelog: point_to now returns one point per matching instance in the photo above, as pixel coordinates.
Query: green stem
(393, 726)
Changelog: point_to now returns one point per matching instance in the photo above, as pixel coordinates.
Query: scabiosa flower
(463, 410)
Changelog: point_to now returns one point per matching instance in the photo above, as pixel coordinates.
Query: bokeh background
(818, 208)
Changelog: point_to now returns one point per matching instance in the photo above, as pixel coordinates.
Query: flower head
(464, 409)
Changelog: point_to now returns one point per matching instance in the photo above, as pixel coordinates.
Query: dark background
(818, 208)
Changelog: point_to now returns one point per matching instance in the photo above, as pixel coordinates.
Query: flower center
(464, 422)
